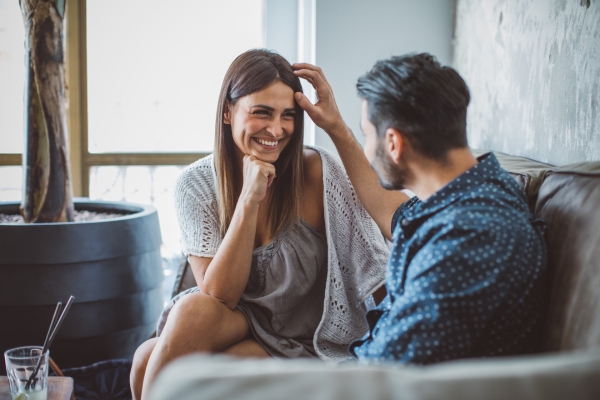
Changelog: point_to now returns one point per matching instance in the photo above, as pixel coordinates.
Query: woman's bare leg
(138, 367)
(247, 348)
(197, 323)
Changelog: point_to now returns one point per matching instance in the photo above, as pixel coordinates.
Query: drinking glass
(20, 364)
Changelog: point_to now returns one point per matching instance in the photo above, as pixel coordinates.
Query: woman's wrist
(248, 204)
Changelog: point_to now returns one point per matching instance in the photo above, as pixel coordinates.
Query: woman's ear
(227, 113)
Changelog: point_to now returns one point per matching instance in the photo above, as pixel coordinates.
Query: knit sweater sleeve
(197, 211)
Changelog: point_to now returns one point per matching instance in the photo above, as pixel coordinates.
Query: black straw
(54, 327)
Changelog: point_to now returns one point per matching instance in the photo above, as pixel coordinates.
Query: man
(467, 265)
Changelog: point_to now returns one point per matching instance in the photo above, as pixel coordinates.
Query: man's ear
(395, 144)
(227, 113)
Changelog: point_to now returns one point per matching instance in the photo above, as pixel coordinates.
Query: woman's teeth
(266, 142)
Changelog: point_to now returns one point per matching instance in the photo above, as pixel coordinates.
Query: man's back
(465, 274)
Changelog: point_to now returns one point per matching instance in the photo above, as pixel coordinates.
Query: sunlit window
(12, 76)
(11, 183)
(155, 68)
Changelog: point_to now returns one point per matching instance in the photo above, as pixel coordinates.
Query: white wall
(351, 35)
(281, 27)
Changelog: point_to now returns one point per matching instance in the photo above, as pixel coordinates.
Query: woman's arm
(225, 276)
(312, 210)
(379, 202)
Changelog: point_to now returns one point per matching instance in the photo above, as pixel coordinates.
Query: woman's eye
(261, 112)
(289, 115)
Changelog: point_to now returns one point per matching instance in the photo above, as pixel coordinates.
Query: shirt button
(404, 222)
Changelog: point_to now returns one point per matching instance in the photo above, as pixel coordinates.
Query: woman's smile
(268, 143)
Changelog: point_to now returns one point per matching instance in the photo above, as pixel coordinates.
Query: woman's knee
(194, 312)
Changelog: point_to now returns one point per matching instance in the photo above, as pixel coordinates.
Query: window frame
(80, 158)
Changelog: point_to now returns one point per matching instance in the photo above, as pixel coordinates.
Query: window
(155, 88)
(12, 76)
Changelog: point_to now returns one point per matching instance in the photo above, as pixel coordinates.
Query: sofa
(567, 198)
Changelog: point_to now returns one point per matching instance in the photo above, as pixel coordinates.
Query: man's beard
(391, 176)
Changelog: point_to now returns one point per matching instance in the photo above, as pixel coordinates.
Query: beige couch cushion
(569, 203)
(548, 377)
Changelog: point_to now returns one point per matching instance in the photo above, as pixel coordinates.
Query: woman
(283, 253)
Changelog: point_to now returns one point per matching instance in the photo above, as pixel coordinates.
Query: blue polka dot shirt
(465, 274)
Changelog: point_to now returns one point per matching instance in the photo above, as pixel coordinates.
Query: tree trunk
(47, 193)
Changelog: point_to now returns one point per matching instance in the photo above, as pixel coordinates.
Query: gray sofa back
(568, 199)
(569, 203)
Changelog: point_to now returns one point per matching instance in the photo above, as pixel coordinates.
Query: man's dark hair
(425, 101)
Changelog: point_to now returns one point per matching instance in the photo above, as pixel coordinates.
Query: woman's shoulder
(321, 157)
(313, 164)
(329, 163)
(198, 179)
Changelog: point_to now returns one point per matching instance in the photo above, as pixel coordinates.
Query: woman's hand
(258, 176)
(324, 113)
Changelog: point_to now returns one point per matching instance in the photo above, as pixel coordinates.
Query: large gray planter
(112, 267)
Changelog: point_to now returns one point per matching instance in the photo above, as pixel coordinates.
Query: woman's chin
(268, 158)
(267, 155)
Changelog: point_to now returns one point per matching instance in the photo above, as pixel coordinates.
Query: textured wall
(533, 67)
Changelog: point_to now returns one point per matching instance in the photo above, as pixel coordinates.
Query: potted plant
(110, 263)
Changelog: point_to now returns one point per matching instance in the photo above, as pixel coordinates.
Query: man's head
(411, 102)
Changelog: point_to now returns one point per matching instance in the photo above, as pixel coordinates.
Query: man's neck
(430, 176)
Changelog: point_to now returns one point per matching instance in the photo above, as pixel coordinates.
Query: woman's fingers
(317, 80)
(305, 103)
(258, 176)
(324, 112)
(310, 67)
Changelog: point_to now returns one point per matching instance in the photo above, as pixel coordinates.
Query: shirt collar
(488, 166)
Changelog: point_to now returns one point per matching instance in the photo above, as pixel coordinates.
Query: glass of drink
(20, 365)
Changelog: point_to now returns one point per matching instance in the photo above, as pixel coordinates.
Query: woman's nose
(275, 128)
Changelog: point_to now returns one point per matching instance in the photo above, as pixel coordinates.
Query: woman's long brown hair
(251, 72)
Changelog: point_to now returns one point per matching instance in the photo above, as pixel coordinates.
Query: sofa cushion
(547, 377)
(527, 172)
(569, 203)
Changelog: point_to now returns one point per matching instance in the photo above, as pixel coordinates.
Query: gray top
(283, 301)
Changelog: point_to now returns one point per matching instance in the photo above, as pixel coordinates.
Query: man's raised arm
(379, 202)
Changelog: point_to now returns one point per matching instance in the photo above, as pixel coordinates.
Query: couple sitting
(286, 244)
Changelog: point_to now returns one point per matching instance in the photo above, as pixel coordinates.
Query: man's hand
(324, 113)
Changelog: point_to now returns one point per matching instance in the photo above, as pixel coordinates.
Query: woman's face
(262, 123)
